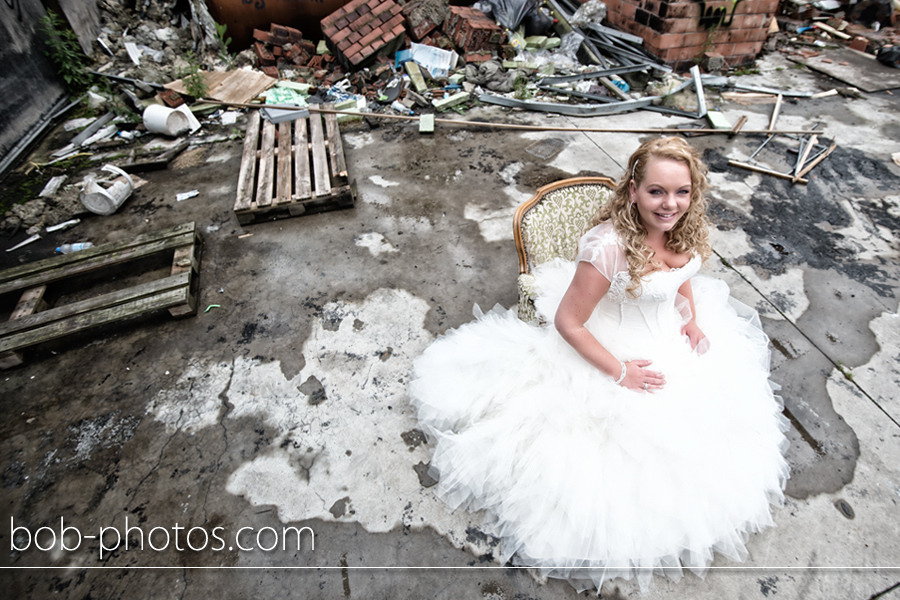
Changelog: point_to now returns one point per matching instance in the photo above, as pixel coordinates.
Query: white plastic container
(164, 120)
(102, 201)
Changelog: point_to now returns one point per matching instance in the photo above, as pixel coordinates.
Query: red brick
(679, 25)
(261, 36)
(340, 35)
(751, 48)
(396, 20)
(683, 10)
(758, 35)
(262, 53)
(697, 39)
(171, 98)
(354, 37)
(356, 47)
(271, 71)
(370, 38)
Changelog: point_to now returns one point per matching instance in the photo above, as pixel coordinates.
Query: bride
(637, 434)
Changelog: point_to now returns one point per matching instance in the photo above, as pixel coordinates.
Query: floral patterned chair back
(550, 224)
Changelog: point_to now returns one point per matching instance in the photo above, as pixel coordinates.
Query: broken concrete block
(450, 102)
(426, 123)
(415, 75)
(718, 120)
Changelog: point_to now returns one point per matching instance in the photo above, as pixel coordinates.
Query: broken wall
(680, 32)
(29, 86)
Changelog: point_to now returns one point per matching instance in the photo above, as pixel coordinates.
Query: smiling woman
(588, 463)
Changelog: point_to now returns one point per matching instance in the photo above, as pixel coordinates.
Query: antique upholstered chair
(550, 224)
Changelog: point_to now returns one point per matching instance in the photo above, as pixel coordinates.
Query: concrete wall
(29, 86)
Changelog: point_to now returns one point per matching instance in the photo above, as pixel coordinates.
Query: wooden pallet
(32, 322)
(292, 168)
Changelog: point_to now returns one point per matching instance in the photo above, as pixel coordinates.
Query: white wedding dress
(587, 480)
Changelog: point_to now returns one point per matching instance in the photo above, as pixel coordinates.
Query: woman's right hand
(641, 379)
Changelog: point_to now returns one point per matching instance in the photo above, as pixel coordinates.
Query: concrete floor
(285, 406)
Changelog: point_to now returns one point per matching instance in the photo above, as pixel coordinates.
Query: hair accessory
(633, 167)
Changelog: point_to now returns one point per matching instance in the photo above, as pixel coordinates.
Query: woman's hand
(698, 339)
(639, 378)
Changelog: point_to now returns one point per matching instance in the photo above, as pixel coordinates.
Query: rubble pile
(410, 57)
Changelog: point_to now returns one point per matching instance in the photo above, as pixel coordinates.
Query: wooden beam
(809, 146)
(775, 112)
(817, 160)
(750, 167)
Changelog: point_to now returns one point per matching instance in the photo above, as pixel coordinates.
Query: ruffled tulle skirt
(586, 480)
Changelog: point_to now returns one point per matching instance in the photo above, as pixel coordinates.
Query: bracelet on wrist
(622, 376)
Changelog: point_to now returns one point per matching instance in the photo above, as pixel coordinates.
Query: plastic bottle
(66, 248)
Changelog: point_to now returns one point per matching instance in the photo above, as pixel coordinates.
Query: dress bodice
(657, 309)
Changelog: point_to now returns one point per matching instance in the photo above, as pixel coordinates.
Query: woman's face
(664, 195)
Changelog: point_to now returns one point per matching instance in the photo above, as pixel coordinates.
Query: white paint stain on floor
(375, 243)
(880, 377)
(345, 449)
(864, 238)
(382, 182)
(495, 218)
(358, 140)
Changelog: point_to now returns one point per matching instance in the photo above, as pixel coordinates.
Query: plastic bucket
(102, 201)
(162, 119)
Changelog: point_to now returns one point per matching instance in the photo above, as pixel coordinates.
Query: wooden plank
(266, 165)
(816, 161)
(302, 180)
(64, 260)
(241, 86)
(50, 272)
(93, 264)
(807, 149)
(319, 157)
(30, 302)
(187, 260)
(247, 173)
(107, 300)
(335, 146)
(775, 112)
(136, 307)
(740, 123)
(283, 183)
(758, 169)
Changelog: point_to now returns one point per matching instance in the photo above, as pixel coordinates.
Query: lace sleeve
(600, 247)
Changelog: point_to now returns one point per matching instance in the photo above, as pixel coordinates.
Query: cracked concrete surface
(283, 411)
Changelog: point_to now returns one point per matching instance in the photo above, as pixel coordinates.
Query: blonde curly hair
(690, 234)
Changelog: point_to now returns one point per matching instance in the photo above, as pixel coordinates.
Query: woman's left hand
(697, 338)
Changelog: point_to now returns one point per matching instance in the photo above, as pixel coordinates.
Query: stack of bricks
(281, 44)
(363, 30)
(424, 16)
(472, 31)
(680, 32)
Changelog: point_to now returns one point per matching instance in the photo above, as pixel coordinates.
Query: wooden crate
(32, 322)
(292, 168)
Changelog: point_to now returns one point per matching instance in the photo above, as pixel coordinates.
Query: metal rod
(495, 125)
